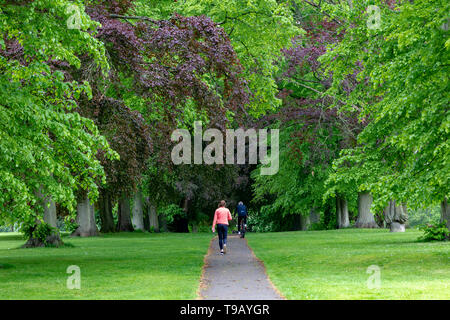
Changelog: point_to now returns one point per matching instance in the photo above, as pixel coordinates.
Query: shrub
(436, 231)
(68, 224)
(327, 222)
(171, 211)
(41, 235)
(259, 221)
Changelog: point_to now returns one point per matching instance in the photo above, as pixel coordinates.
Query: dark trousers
(240, 218)
(222, 230)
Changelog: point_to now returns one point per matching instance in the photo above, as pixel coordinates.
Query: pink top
(221, 216)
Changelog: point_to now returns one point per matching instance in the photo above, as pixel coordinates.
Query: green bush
(317, 226)
(40, 231)
(325, 223)
(260, 221)
(201, 221)
(436, 231)
(171, 211)
(68, 224)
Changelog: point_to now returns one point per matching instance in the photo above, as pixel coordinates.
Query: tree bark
(338, 212)
(153, 218)
(106, 215)
(342, 218)
(405, 210)
(85, 219)
(138, 218)
(53, 239)
(365, 217)
(445, 212)
(395, 216)
(124, 213)
(305, 222)
(49, 209)
(314, 216)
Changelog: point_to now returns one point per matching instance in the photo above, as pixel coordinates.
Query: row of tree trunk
(445, 212)
(342, 219)
(395, 215)
(127, 220)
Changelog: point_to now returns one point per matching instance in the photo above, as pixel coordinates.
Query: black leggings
(222, 230)
(240, 218)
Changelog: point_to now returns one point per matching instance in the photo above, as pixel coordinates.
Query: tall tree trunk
(365, 217)
(124, 212)
(49, 209)
(85, 219)
(405, 210)
(305, 222)
(314, 216)
(345, 218)
(153, 218)
(53, 239)
(138, 218)
(106, 215)
(445, 212)
(50, 213)
(338, 212)
(395, 216)
(342, 218)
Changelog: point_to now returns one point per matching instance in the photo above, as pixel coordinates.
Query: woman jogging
(221, 218)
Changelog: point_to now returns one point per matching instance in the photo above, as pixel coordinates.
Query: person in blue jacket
(242, 214)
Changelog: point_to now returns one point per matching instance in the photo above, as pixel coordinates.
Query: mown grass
(114, 266)
(303, 265)
(333, 264)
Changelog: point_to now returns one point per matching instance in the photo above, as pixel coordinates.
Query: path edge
(265, 271)
(202, 283)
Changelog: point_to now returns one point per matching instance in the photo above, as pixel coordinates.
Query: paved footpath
(237, 275)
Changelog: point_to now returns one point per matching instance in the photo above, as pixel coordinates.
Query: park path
(236, 275)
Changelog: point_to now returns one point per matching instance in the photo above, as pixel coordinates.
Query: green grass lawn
(333, 264)
(303, 265)
(116, 266)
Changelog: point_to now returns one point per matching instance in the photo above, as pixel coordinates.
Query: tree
(45, 144)
(187, 63)
(182, 69)
(403, 92)
(313, 133)
(85, 218)
(258, 30)
(395, 215)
